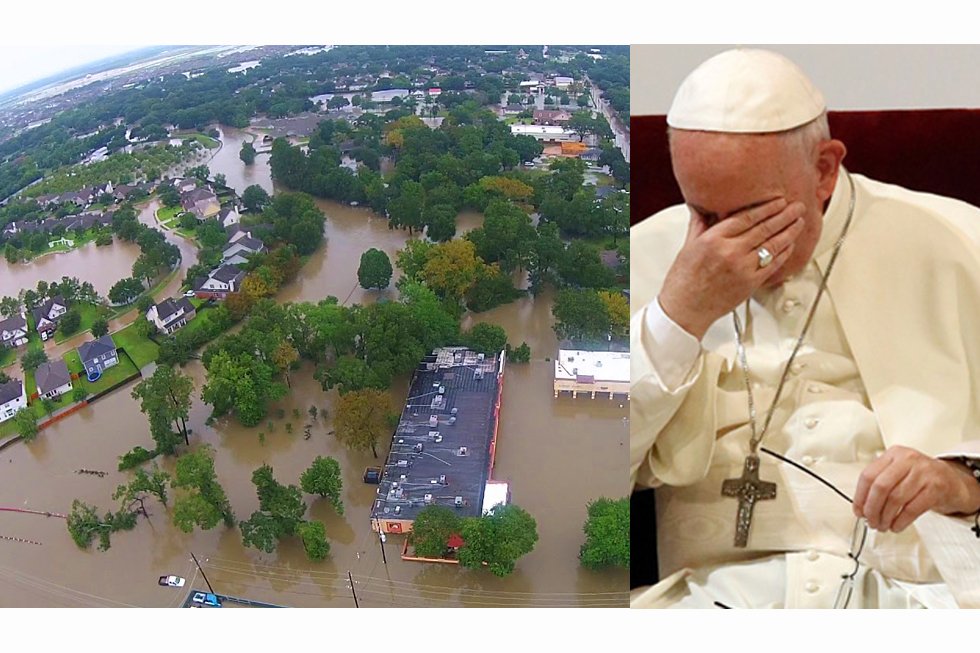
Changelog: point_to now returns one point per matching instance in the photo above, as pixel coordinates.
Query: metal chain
(757, 436)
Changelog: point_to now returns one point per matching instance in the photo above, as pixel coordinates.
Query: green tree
(242, 382)
(204, 502)
(70, 321)
(142, 484)
(485, 338)
(363, 418)
(431, 530)
(323, 477)
(26, 423)
(169, 196)
(33, 359)
(375, 269)
(144, 303)
(580, 314)
(125, 290)
(280, 512)
(247, 153)
(255, 198)
(607, 534)
(84, 525)
(100, 327)
(165, 399)
(314, 535)
(498, 538)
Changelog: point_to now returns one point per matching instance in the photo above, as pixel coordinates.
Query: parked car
(189, 293)
(171, 581)
(206, 598)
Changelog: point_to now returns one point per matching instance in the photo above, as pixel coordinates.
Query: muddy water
(102, 266)
(226, 161)
(556, 454)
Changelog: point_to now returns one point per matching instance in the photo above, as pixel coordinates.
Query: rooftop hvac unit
(461, 451)
(433, 420)
(452, 420)
(398, 510)
(387, 509)
(428, 499)
(442, 389)
(403, 477)
(419, 447)
(403, 463)
(454, 411)
(458, 502)
(433, 434)
(479, 375)
(480, 357)
(401, 441)
(438, 438)
(442, 480)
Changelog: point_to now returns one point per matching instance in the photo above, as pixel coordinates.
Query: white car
(171, 581)
(189, 293)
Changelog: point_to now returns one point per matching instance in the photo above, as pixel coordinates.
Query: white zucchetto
(747, 91)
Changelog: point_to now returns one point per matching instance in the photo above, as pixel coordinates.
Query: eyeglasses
(858, 538)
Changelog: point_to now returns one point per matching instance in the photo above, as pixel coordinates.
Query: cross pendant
(747, 489)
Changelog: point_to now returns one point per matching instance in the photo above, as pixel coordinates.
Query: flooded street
(557, 454)
(225, 160)
(102, 266)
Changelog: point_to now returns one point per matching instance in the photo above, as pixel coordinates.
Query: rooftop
(600, 365)
(441, 451)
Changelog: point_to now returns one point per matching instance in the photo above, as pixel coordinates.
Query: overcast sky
(22, 64)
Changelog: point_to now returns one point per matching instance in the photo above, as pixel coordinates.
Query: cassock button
(814, 389)
(789, 305)
(812, 556)
(797, 368)
(811, 587)
(808, 461)
(811, 423)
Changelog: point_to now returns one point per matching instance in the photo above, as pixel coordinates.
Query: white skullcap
(745, 91)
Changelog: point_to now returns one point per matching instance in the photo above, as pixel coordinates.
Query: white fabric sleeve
(673, 350)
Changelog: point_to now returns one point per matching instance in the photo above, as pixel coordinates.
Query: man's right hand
(718, 267)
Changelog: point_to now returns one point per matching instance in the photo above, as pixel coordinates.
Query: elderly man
(805, 357)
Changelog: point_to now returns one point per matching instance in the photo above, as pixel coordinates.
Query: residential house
(551, 116)
(12, 399)
(201, 202)
(13, 331)
(183, 185)
(229, 216)
(238, 252)
(98, 355)
(123, 191)
(171, 314)
(562, 83)
(219, 282)
(46, 315)
(53, 379)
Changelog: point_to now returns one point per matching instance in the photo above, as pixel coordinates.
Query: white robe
(890, 359)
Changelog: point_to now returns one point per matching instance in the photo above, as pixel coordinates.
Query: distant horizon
(24, 65)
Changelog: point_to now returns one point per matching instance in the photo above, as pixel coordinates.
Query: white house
(13, 331)
(219, 283)
(12, 399)
(238, 251)
(169, 315)
(46, 315)
(229, 216)
(53, 379)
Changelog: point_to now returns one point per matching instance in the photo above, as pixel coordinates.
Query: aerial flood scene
(317, 326)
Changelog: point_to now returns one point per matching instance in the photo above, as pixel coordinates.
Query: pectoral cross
(748, 489)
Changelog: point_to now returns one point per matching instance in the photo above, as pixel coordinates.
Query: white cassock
(892, 357)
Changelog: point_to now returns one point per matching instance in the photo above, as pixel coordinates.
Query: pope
(805, 349)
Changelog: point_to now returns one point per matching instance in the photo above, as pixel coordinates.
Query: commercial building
(591, 372)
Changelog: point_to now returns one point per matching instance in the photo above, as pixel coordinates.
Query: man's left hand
(903, 483)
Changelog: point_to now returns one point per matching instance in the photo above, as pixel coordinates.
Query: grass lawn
(7, 356)
(89, 313)
(109, 378)
(200, 320)
(204, 140)
(141, 349)
(166, 214)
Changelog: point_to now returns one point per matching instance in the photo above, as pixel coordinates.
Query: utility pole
(381, 542)
(352, 592)
(202, 573)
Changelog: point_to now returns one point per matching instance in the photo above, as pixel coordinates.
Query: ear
(829, 156)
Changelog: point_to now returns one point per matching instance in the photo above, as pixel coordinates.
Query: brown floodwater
(102, 266)
(239, 176)
(557, 455)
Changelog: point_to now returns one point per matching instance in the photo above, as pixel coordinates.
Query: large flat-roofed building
(551, 133)
(592, 371)
(442, 451)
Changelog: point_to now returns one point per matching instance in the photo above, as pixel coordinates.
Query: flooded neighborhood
(556, 452)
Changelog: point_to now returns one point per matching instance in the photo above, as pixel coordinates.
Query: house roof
(11, 390)
(90, 350)
(13, 323)
(170, 306)
(41, 312)
(251, 244)
(227, 273)
(197, 195)
(51, 375)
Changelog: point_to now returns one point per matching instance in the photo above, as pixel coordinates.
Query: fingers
(868, 476)
(899, 498)
(912, 511)
(879, 491)
(743, 221)
(790, 220)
